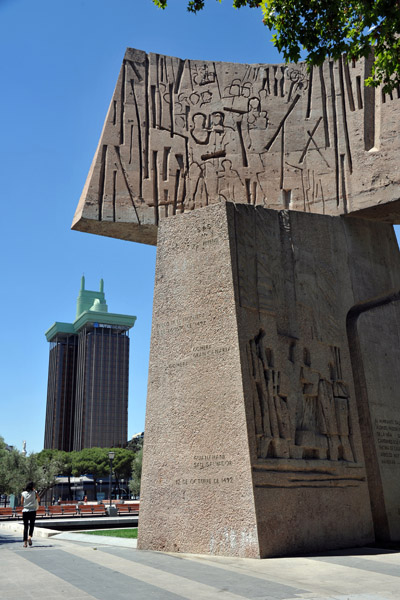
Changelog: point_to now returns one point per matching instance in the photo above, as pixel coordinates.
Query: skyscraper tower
(87, 394)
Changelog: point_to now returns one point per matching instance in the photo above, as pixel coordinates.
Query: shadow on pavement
(9, 540)
(373, 549)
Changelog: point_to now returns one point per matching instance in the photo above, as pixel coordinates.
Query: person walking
(30, 501)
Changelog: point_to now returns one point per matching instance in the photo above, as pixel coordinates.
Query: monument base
(253, 445)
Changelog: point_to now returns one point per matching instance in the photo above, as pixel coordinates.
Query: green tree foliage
(49, 465)
(67, 463)
(95, 462)
(122, 464)
(196, 5)
(12, 470)
(16, 470)
(3, 472)
(91, 461)
(42, 468)
(135, 444)
(331, 28)
(134, 484)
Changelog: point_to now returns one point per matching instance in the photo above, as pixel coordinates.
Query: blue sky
(59, 65)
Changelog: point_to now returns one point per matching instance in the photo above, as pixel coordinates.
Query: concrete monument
(182, 134)
(273, 417)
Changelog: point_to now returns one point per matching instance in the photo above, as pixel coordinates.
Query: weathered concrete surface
(272, 424)
(376, 341)
(183, 134)
(197, 493)
(253, 445)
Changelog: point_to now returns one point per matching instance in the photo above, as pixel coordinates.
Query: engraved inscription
(211, 460)
(205, 238)
(181, 324)
(388, 434)
(203, 481)
(209, 465)
(208, 350)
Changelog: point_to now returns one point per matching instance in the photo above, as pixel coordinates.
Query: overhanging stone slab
(183, 134)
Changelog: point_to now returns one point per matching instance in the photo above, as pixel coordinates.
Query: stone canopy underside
(183, 134)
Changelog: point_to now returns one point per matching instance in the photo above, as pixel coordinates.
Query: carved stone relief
(183, 134)
(310, 420)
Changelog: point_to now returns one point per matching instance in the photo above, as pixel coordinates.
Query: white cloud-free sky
(59, 62)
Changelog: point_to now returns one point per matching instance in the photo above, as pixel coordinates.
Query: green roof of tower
(87, 298)
(91, 307)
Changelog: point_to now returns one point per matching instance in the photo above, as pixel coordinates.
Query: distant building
(87, 394)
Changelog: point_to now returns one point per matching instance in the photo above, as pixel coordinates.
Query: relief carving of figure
(203, 76)
(311, 431)
(256, 121)
(254, 125)
(238, 89)
(217, 130)
(230, 185)
(272, 417)
(341, 397)
(199, 195)
(211, 135)
(323, 429)
(324, 426)
(199, 130)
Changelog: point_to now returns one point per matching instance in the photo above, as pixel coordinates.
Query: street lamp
(111, 457)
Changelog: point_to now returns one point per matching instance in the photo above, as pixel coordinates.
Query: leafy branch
(328, 29)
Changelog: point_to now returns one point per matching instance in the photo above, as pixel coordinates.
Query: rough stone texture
(197, 493)
(377, 336)
(273, 423)
(183, 134)
(252, 443)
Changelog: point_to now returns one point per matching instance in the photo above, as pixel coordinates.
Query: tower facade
(87, 395)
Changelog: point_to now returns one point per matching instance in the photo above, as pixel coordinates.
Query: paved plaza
(72, 565)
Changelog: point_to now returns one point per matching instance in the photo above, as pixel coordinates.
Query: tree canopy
(42, 468)
(16, 470)
(331, 28)
(134, 484)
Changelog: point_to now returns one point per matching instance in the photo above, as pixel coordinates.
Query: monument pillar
(253, 445)
(273, 423)
(197, 492)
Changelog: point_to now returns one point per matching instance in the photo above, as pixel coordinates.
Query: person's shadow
(9, 540)
(12, 539)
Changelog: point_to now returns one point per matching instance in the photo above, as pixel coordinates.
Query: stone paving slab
(100, 540)
(49, 528)
(64, 566)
